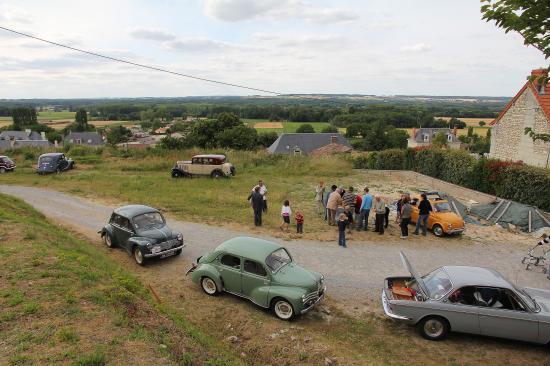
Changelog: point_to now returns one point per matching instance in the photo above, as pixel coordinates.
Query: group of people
(347, 209)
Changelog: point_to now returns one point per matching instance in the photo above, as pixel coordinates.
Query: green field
(288, 127)
(51, 115)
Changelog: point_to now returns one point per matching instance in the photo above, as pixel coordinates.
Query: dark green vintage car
(143, 232)
(262, 272)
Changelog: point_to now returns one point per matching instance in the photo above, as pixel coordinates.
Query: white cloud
(418, 47)
(151, 34)
(238, 10)
(195, 45)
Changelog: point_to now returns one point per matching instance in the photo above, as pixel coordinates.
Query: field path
(354, 274)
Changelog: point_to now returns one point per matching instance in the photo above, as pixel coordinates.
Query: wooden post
(155, 294)
(503, 211)
(495, 210)
(530, 222)
(542, 217)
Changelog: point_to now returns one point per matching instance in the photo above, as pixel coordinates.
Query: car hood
(294, 275)
(541, 296)
(47, 167)
(414, 274)
(159, 235)
(450, 218)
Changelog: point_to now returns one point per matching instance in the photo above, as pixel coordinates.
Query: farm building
(305, 143)
(529, 108)
(27, 138)
(424, 137)
(84, 138)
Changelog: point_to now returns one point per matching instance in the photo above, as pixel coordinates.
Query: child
(349, 213)
(299, 222)
(285, 213)
(342, 224)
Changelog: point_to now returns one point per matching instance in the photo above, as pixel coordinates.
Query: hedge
(509, 180)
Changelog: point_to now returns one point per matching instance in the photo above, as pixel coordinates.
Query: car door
(62, 163)
(502, 314)
(462, 311)
(255, 277)
(124, 231)
(230, 273)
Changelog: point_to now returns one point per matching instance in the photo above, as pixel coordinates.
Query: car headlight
(180, 237)
(450, 226)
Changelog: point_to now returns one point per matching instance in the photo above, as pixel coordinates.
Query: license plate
(156, 250)
(168, 254)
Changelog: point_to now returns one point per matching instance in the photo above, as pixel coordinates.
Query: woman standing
(319, 194)
(405, 217)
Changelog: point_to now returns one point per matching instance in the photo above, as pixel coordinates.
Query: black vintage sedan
(143, 232)
(54, 163)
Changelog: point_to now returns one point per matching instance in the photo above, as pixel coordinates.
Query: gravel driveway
(355, 273)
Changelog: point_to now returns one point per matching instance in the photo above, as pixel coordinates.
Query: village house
(27, 138)
(423, 137)
(306, 143)
(84, 138)
(529, 108)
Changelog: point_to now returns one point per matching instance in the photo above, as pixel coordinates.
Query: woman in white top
(285, 214)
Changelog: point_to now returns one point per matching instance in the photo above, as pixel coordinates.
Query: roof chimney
(537, 75)
(43, 135)
(333, 139)
(414, 133)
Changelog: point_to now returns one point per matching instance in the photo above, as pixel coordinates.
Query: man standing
(424, 208)
(380, 210)
(263, 192)
(325, 200)
(366, 206)
(334, 200)
(257, 205)
(319, 197)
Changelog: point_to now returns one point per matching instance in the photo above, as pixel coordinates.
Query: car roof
(215, 156)
(476, 276)
(134, 210)
(51, 154)
(252, 248)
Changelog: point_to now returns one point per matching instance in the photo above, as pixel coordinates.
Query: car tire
(138, 256)
(209, 286)
(282, 309)
(108, 241)
(434, 328)
(58, 171)
(2, 170)
(176, 174)
(438, 230)
(216, 174)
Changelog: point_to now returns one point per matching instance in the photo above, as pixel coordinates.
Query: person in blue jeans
(342, 224)
(424, 208)
(366, 205)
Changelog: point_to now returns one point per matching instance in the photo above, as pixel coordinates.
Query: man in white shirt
(263, 192)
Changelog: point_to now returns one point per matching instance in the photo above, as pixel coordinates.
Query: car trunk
(401, 288)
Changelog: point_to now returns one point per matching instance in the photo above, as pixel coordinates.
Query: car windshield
(46, 159)
(8, 160)
(442, 207)
(438, 283)
(150, 220)
(278, 259)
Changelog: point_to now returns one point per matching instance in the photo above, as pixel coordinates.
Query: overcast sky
(429, 47)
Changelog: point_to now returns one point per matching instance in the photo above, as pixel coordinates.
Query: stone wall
(508, 141)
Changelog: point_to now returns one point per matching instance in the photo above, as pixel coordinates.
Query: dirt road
(354, 274)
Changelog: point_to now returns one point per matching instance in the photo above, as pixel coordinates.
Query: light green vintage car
(262, 272)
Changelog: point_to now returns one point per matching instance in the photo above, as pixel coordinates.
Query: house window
(89, 141)
(297, 151)
(449, 137)
(78, 141)
(426, 137)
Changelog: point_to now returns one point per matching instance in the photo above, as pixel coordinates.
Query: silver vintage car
(469, 300)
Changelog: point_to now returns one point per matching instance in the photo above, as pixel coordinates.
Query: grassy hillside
(63, 301)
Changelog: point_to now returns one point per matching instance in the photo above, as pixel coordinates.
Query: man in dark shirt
(424, 208)
(257, 200)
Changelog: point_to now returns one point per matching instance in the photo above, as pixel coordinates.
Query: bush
(525, 184)
(305, 128)
(429, 162)
(457, 167)
(393, 159)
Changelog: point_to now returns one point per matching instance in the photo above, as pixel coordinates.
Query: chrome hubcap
(209, 286)
(108, 240)
(283, 309)
(138, 255)
(434, 328)
(438, 231)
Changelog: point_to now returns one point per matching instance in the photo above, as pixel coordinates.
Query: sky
(406, 47)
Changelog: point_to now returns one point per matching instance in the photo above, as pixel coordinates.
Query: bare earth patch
(260, 125)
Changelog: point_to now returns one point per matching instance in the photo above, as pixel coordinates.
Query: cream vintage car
(215, 166)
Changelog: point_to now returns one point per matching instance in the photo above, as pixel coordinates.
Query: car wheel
(108, 241)
(138, 256)
(434, 328)
(283, 309)
(58, 170)
(216, 174)
(438, 230)
(176, 174)
(209, 286)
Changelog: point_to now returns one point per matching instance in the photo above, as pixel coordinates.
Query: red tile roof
(542, 99)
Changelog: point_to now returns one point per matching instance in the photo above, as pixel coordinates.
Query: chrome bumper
(164, 253)
(455, 231)
(387, 310)
(315, 303)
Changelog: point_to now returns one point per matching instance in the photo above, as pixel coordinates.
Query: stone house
(423, 137)
(27, 138)
(529, 108)
(84, 138)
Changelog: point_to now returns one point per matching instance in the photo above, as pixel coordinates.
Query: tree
(396, 138)
(81, 118)
(239, 137)
(305, 128)
(267, 139)
(440, 140)
(470, 131)
(330, 129)
(455, 122)
(172, 143)
(23, 117)
(529, 18)
(118, 134)
(482, 123)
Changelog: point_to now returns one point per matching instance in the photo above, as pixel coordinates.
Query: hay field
(471, 121)
(481, 131)
(262, 125)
